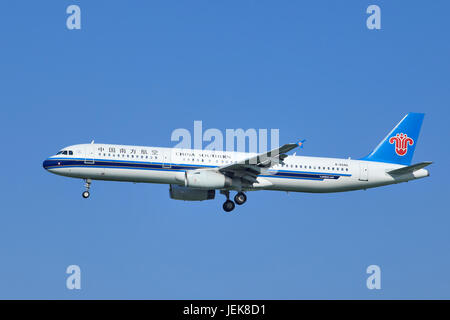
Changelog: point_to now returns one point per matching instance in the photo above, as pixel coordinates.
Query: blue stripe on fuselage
(55, 163)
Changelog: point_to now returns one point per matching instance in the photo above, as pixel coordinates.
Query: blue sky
(138, 70)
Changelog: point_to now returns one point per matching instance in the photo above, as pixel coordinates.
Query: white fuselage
(167, 166)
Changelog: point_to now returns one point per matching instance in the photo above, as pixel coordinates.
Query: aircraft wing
(248, 169)
(410, 169)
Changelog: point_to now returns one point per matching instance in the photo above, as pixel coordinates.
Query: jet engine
(188, 194)
(206, 179)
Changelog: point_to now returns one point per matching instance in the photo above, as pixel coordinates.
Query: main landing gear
(240, 198)
(86, 193)
(229, 205)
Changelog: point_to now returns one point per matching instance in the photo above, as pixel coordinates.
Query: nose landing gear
(86, 193)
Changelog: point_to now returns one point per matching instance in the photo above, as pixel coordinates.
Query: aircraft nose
(46, 164)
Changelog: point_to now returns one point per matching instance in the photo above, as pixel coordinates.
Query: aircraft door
(363, 171)
(89, 154)
(167, 158)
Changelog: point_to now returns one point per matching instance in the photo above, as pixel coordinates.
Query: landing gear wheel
(86, 193)
(228, 205)
(240, 198)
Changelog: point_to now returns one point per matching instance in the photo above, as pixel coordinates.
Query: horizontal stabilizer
(410, 169)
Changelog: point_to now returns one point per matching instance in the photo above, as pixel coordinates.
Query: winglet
(300, 143)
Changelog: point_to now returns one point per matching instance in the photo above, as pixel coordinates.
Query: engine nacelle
(206, 179)
(188, 194)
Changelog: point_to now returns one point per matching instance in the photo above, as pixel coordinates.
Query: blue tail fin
(399, 145)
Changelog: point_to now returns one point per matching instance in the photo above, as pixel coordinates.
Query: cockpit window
(65, 152)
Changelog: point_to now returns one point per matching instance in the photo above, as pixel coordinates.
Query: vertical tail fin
(399, 145)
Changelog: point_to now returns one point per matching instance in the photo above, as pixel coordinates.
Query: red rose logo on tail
(401, 141)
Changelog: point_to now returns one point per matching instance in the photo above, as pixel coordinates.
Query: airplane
(195, 174)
